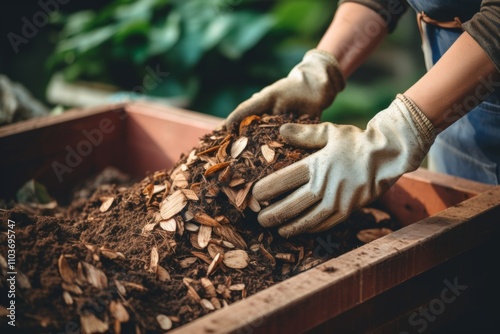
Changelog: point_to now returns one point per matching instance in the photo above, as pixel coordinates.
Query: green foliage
(217, 52)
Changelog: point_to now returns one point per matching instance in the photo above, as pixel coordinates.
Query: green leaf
(217, 30)
(250, 29)
(163, 38)
(77, 22)
(89, 40)
(304, 17)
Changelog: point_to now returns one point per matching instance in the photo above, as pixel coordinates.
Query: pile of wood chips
(177, 245)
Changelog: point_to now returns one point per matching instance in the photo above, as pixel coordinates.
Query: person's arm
(354, 33)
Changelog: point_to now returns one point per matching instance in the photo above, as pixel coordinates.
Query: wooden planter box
(434, 270)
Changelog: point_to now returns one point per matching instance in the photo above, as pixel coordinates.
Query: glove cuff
(421, 121)
(332, 66)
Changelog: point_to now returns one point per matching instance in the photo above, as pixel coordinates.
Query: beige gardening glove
(351, 169)
(309, 88)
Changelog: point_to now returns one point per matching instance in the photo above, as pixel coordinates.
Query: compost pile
(153, 255)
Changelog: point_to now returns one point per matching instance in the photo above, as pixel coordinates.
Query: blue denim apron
(470, 147)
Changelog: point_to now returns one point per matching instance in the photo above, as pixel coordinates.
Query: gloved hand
(310, 87)
(352, 168)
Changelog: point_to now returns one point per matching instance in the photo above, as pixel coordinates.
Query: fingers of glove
(308, 221)
(329, 222)
(313, 136)
(256, 105)
(288, 208)
(282, 181)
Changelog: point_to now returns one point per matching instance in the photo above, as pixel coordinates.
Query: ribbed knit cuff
(423, 124)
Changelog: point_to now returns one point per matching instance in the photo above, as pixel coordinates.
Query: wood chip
(268, 153)
(91, 324)
(236, 182)
(148, 228)
(236, 259)
(159, 188)
(193, 238)
(237, 287)
(225, 176)
(67, 274)
(287, 257)
(106, 203)
(213, 249)
(187, 262)
(173, 204)
(255, 247)
(215, 263)
(95, 277)
(153, 264)
(71, 287)
(118, 311)
(190, 194)
(267, 255)
(228, 233)
(241, 195)
(67, 298)
(192, 293)
(169, 225)
(208, 286)
(253, 204)
(238, 146)
(222, 219)
(202, 256)
(180, 181)
(111, 254)
(371, 234)
(215, 168)
(379, 215)
(192, 227)
(164, 322)
(274, 144)
(163, 274)
(204, 235)
(222, 152)
(207, 304)
(204, 219)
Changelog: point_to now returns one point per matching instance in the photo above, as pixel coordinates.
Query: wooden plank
(423, 193)
(60, 151)
(311, 298)
(158, 135)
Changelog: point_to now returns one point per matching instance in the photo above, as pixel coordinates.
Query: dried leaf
(268, 153)
(222, 152)
(204, 235)
(169, 225)
(238, 146)
(164, 322)
(246, 122)
(118, 311)
(163, 274)
(215, 168)
(184, 263)
(236, 259)
(67, 274)
(153, 264)
(106, 203)
(225, 176)
(91, 324)
(173, 204)
(208, 150)
(371, 234)
(215, 263)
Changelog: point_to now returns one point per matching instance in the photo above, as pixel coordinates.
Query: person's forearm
(353, 34)
(456, 84)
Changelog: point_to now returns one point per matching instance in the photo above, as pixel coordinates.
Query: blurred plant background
(216, 52)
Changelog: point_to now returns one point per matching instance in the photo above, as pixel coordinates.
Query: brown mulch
(126, 266)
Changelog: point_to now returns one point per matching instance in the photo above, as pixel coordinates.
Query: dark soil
(106, 257)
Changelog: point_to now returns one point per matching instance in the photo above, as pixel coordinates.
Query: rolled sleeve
(390, 10)
(484, 27)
